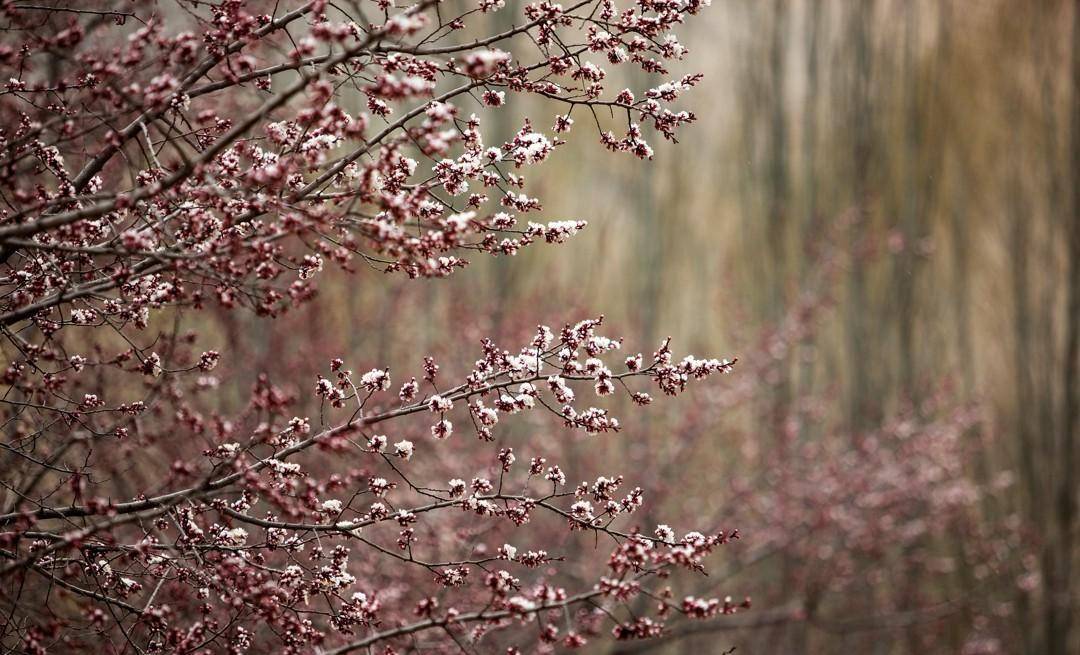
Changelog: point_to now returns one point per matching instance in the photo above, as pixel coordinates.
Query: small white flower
(237, 536)
(404, 449)
(375, 380)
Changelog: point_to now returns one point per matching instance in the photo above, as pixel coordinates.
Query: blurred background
(878, 212)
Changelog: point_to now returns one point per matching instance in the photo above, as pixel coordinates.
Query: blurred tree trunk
(776, 179)
(810, 220)
(1060, 616)
(862, 395)
(1020, 245)
(911, 205)
(807, 238)
(1057, 174)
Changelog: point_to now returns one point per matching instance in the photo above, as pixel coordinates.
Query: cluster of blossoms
(262, 526)
(541, 375)
(274, 178)
(159, 162)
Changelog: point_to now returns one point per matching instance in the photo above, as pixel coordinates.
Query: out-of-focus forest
(878, 212)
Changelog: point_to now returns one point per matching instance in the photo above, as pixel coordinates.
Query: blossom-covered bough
(162, 158)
